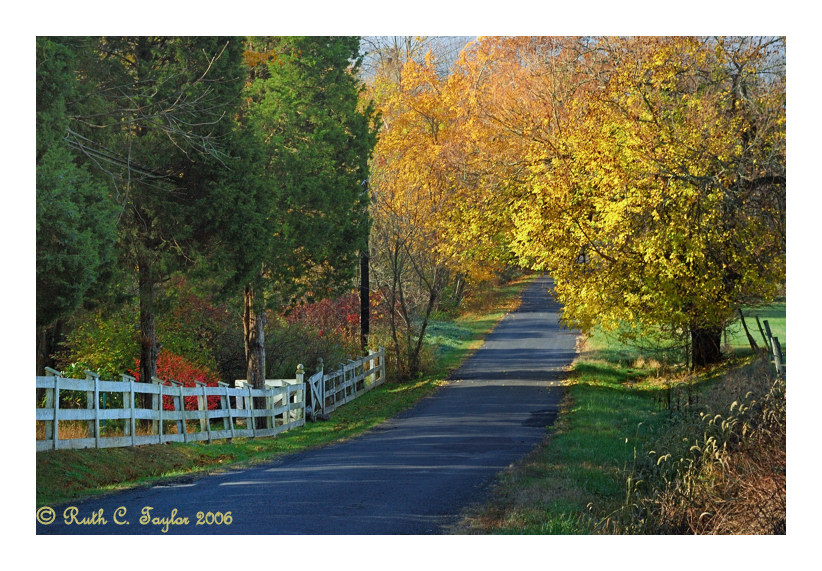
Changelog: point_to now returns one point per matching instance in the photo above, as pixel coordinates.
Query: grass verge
(66, 475)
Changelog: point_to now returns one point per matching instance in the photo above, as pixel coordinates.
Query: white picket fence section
(329, 391)
(284, 409)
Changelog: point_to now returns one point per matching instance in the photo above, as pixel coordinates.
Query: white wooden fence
(235, 417)
(330, 391)
(191, 419)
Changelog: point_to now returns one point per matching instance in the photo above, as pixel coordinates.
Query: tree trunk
(48, 338)
(254, 332)
(705, 346)
(415, 355)
(148, 331)
(365, 304)
(751, 340)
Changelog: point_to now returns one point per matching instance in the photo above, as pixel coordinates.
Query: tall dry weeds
(716, 468)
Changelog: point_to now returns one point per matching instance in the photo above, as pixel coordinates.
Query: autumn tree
(655, 187)
(415, 179)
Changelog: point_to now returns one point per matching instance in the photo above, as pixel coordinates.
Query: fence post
(250, 405)
(227, 404)
(777, 356)
(300, 377)
(776, 349)
(382, 364)
(761, 332)
(370, 378)
(179, 405)
(94, 429)
(767, 329)
(54, 404)
(155, 407)
(160, 413)
(204, 407)
(132, 404)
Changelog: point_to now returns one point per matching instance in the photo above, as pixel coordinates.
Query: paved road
(411, 475)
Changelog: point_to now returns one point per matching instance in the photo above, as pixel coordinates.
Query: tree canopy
(646, 175)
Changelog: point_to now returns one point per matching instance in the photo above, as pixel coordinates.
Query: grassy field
(630, 437)
(66, 475)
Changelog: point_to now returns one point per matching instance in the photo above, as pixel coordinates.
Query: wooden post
(160, 427)
(751, 340)
(300, 377)
(382, 364)
(770, 343)
(182, 407)
(205, 408)
(761, 332)
(767, 330)
(128, 402)
(57, 412)
(251, 420)
(321, 404)
(94, 426)
(777, 356)
(157, 404)
(132, 420)
(51, 425)
(90, 406)
(227, 401)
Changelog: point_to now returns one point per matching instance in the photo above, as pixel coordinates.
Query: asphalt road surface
(411, 475)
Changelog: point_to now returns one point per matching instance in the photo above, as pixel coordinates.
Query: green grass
(66, 475)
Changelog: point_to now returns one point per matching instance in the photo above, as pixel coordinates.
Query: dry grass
(718, 467)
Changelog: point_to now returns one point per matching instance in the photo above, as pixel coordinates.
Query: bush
(174, 367)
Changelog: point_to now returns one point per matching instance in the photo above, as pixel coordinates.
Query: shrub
(174, 367)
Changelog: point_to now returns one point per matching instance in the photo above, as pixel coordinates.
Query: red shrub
(177, 368)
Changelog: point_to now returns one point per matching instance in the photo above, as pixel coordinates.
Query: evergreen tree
(156, 121)
(304, 105)
(75, 218)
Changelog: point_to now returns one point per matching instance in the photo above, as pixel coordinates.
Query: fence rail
(329, 391)
(234, 416)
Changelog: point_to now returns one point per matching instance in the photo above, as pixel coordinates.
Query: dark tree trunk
(48, 339)
(148, 332)
(365, 304)
(705, 346)
(254, 332)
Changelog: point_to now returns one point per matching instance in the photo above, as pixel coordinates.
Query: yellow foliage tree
(657, 198)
